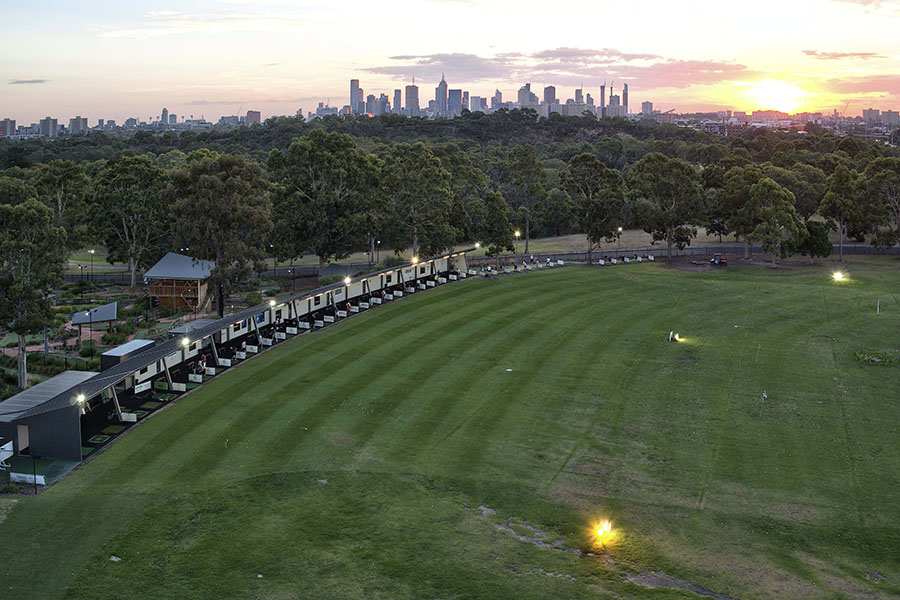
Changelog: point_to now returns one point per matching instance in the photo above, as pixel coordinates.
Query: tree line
(329, 193)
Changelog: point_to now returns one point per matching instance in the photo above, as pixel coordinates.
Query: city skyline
(109, 61)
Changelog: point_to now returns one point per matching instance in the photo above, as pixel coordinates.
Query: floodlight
(837, 276)
(477, 244)
(415, 260)
(90, 251)
(619, 230)
(677, 338)
(518, 233)
(80, 398)
(272, 303)
(185, 341)
(346, 281)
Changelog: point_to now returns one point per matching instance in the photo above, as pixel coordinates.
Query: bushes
(253, 298)
(88, 351)
(113, 339)
(394, 261)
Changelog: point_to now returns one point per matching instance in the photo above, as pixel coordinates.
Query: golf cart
(718, 261)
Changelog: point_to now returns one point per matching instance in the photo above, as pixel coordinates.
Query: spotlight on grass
(837, 276)
(677, 337)
(604, 532)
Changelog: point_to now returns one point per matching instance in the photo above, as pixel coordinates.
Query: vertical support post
(115, 399)
(212, 345)
(165, 363)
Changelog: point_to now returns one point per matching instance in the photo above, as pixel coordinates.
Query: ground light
(838, 276)
(603, 532)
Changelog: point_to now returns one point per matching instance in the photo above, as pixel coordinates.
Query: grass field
(395, 455)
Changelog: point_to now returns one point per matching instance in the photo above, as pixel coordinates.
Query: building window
(318, 300)
(421, 270)
(389, 278)
(144, 370)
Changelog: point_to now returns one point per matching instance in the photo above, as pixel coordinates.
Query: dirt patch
(655, 579)
(6, 505)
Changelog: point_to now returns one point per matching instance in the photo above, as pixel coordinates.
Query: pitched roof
(179, 266)
(40, 398)
(129, 347)
(98, 314)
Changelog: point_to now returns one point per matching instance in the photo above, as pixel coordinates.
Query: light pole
(377, 248)
(82, 267)
(619, 231)
(91, 252)
(518, 233)
(90, 316)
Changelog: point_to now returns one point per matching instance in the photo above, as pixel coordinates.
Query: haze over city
(102, 59)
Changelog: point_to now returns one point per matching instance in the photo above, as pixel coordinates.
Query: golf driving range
(471, 440)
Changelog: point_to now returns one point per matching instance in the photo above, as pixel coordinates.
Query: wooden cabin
(179, 282)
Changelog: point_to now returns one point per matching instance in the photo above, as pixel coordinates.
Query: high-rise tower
(440, 97)
(355, 95)
(625, 100)
(603, 100)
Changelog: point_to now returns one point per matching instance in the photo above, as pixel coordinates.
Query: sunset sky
(118, 59)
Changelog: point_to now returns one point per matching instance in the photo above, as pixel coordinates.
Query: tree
(63, 186)
(841, 202)
(222, 213)
(673, 198)
(32, 255)
(777, 220)
(525, 173)
(599, 195)
(737, 204)
(554, 213)
(817, 242)
(15, 191)
(468, 183)
(882, 183)
(131, 214)
(323, 195)
(496, 231)
(419, 189)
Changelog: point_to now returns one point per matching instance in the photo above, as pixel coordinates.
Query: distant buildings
(412, 100)
(7, 127)
(78, 126)
(646, 108)
(253, 118)
(49, 128)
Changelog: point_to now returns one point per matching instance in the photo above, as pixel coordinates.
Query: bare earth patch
(655, 579)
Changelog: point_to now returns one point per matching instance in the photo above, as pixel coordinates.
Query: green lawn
(395, 455)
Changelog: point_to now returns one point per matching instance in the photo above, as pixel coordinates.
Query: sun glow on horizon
(775, 94)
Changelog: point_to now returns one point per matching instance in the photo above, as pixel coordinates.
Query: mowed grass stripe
(276, 430)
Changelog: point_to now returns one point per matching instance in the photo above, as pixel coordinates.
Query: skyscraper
(465, 100)
(355, 95)
(625, 100)
(550, 95)
(526, 96)
(253, 117)
(440, 97)
(398, 106)
(7, 127)
(646, 108)
(603, 100)
(165, 117)
(454, 102)
(496, 100)
(579, 96)
(370, 104)
(412, 99)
